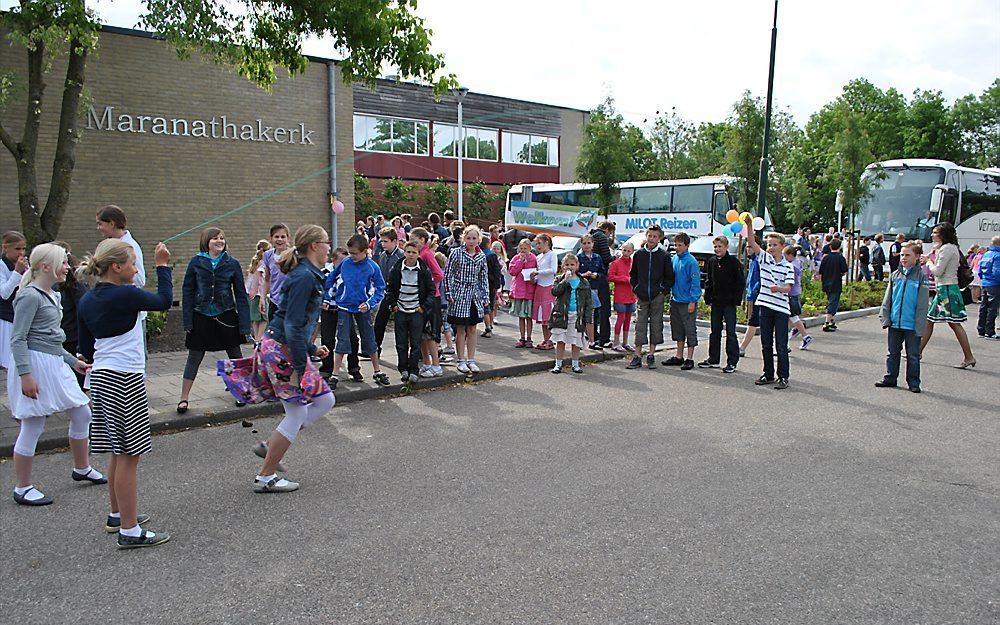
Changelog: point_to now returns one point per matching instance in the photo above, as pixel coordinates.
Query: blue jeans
(365, 329)
(866, 273)
(988, 308)
(774, 336)
(898, 338)
(832, 302)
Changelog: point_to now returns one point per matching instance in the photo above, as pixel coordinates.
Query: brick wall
(168, 184)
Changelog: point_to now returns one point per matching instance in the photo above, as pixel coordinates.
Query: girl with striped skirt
(112, 338)
(40, 381)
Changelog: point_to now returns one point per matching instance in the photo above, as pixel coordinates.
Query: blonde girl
(255, 284)
(111, 337)
(12, 269)
(544, 276)
(522, 290)
(41, 380)
(572, 312)
(467, 279)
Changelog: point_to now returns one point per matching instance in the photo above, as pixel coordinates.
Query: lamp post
(762, 178)
(460, 94)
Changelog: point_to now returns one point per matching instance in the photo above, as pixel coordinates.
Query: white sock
(576, 363)
(559, 363)
(91, 471)
(33, 496)
(266, 478)
(115, 515)
(135, 532)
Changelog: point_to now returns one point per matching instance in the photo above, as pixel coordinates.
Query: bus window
(549, 197)
(692, 199)
(587, 198)
(721, 207)
(652, 200)
(980, 194)
(626, 197)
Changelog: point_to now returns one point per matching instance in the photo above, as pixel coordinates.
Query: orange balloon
(732, 216)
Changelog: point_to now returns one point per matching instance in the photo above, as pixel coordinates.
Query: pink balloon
(338, 207)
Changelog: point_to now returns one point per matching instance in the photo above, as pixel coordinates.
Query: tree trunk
(27, 180)
(65, 157)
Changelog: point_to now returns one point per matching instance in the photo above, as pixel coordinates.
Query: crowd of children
(435, 282)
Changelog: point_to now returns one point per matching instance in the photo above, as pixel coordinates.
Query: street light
(460, 94)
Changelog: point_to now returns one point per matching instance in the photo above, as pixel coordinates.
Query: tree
(604, 157)
(708, 148)
(930, 130)
(480, 197)
(977, 120)
(364, 197)
(439, 197)
(849, 155)
(643, 164)
(253, 37)
(396, 192)
(673, 138)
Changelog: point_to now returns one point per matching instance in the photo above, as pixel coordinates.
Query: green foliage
(849, 155)
(439, 197)
(605, 159)
(156, 320)
(478, 197)
(673, 138)
(977, 121)
(364, 197)
(395, 193)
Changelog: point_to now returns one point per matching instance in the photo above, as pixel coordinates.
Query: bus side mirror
(937, 198)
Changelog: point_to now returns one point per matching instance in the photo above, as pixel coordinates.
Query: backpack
(964, 271)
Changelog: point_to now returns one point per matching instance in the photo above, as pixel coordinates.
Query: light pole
(762, 178)
(460, 94)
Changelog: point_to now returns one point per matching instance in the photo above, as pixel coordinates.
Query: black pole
(764, 164)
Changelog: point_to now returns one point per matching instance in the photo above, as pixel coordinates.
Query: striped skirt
(121, 413)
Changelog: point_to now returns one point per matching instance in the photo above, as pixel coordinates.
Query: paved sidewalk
(211, 404)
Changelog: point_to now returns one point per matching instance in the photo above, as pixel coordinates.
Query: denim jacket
(295, 321)
(211, 292)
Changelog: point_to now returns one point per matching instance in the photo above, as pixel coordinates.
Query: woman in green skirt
(947, 305)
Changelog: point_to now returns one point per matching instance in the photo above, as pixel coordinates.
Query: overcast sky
(698, 56)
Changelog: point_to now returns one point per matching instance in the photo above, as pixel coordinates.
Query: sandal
(181, 409)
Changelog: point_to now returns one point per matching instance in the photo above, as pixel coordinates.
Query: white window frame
(531, 140)
(465, 129)
(393, 118)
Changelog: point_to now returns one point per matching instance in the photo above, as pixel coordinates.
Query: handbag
(964, 272)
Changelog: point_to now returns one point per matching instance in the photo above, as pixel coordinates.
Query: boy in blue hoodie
(360, 288)
(684, 303)
(904, 315)
(989, 273)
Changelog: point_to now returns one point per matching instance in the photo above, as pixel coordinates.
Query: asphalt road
(609, 498)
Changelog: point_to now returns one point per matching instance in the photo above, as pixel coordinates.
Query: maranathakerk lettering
(214, 128)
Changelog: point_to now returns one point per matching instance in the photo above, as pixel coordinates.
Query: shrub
(156, 320)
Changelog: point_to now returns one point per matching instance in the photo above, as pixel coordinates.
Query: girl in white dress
(40, 380)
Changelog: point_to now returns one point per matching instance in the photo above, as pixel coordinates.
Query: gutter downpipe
(331, 73)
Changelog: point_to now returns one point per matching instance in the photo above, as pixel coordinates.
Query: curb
(810, 322)
(271, 409)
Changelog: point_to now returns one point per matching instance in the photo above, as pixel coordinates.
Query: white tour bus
(697, 206)
(911, 196)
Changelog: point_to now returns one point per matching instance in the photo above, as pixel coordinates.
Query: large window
(530, 149)
(652, 199)
(391, 134)
(692, 199)
(480, 143)
(980, 194)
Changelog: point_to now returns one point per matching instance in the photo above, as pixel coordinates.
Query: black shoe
(182, 406)
(596, 346)
(636, 363)
(607, 344)
(688, 365)
(914, 389)
(673, 361)
(829, 328)
(743, 353)
(86, 477)
(240, 404)
(884, 384)
(781, 385)
(577, 369)
(708, 364)
(404, 377)
(142, 540)
(332, 382)
(356, 376)
(764, 381)
(381, 379)
(114, 524)
(24, 501)
(729, 369)
(650, 362)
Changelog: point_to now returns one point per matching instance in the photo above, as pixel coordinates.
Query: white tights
(32, 428)
(298, 416)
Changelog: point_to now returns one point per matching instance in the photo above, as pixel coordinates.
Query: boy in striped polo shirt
(777, 276)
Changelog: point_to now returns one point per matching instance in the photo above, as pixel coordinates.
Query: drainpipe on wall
(331, 74)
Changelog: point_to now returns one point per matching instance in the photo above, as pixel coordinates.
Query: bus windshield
(900, 202)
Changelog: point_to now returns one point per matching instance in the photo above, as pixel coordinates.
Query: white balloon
(758, 223)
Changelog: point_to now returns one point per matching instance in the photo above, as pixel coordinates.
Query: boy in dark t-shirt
(832, 271)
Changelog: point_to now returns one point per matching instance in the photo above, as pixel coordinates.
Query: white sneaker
(427, 371)
(275, 485)
(473, 367)
(436, 371)
(463, 367)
